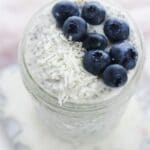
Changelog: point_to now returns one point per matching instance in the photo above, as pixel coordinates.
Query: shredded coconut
(56, 63)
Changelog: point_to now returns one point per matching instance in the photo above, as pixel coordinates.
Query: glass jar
(78, 123)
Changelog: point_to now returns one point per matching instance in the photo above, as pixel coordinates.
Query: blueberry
(115, 75)
(95, 61)
(95, 41)
(116, 30)
(64, 9)
(124, 54)
(93, 13)
(75, 27)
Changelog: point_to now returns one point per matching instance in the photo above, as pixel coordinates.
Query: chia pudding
(54, 73)
(56, 63)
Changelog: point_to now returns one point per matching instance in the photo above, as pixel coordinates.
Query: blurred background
(15, 14)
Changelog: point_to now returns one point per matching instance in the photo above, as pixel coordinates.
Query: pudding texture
(56, 63)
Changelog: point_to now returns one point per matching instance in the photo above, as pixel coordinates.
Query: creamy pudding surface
(56, 64)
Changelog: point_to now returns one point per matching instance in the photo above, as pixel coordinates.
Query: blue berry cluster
(112, 66)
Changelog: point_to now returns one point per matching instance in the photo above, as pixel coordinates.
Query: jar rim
(78, 106)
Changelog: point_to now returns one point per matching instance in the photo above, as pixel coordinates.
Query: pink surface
(14, 15)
